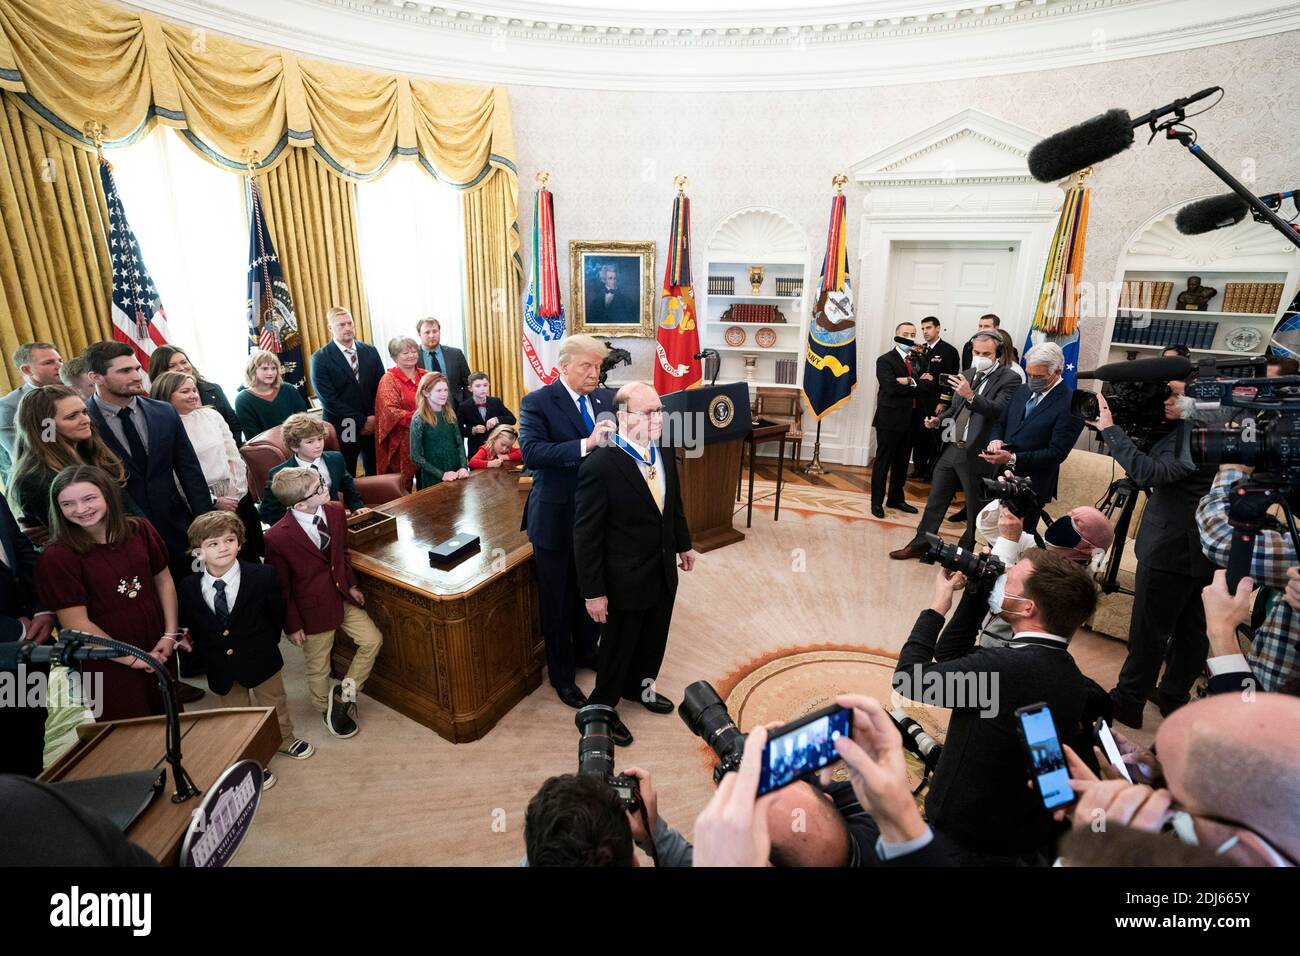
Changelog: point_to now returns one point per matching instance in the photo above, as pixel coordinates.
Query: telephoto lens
(705, 714)
(595, 746)
(981, 570)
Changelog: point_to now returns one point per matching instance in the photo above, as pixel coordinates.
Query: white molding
(562, 46)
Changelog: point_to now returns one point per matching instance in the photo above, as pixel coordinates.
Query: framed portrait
(612, 287)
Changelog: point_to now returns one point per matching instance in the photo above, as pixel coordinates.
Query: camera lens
(595, 747)
(1215, 445)
(705, 713)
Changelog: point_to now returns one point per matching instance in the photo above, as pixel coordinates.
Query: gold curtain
(312, 216)
(54, 267)
(493, 281)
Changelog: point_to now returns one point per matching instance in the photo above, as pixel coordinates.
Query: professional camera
(1269, 442)
(1137, 407)
(705, 714)
(1016, 493)
(613, 360)
(981, 570)
(596, 753)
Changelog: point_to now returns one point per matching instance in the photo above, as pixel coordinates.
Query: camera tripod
(1121, 497)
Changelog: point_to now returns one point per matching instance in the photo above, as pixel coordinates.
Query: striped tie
(324, 536)
(352, 360)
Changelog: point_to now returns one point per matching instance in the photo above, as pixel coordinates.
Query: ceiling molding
(817, 48)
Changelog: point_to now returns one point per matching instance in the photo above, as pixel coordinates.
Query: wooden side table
(763, 431)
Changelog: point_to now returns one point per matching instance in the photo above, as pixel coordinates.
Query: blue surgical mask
(998, 595)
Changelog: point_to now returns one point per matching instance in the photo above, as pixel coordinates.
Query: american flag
(272, 325)
(138, 316)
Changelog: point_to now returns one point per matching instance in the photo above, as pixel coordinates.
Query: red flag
(677, 340)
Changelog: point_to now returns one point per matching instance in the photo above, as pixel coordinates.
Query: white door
(956, 281)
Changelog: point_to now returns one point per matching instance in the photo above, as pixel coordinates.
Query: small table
(763, 430)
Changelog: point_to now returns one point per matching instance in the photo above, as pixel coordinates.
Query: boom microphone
(1216, 212)
(1092, 141)
(1164, 369)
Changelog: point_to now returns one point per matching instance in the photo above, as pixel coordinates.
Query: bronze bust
(1197, 297)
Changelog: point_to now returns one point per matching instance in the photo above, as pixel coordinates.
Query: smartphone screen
(802, 747)
(1046, 758)
(1111, 749)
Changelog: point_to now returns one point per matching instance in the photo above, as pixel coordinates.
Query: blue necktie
(219, 605)
(1033, 401)
(586, 415)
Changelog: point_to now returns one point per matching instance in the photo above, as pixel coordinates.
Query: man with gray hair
(1036, 431)
(560, 424)
(38, 363)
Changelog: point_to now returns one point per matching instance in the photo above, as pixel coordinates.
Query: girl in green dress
(436, 444)
(267, 401)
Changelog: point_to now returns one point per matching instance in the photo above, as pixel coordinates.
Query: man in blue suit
(149, 438)
(22, 727)
(559, 424)
(1036, 431)
(345, 375)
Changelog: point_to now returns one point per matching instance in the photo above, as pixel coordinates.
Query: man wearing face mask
(979, 396)
(896, 400)
(978, 797)
(1037, 431)
(1168, 622)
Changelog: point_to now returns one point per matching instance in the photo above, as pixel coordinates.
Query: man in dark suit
(896, 399)
(629, 534)
(1168, 622)
(607, 304)
(480, 413)
(561, 424)
(1037, 431)
(939, 360)
(22, 728)
(980, 394)
(163, 476)
(345, 375)
(987, 323)
(436, 357)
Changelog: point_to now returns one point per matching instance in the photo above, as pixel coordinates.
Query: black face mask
(1062, 534)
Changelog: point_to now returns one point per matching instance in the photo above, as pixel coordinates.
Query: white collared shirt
(307, 519)
(318, 464)
(641, 450)
(231, 577)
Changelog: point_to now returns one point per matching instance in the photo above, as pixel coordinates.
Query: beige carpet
(397, 794)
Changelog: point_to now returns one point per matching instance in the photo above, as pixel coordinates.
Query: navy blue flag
(272, 325)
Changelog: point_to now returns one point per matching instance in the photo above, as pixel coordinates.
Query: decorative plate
(734, 336)
(1244, 339)
(765, 338)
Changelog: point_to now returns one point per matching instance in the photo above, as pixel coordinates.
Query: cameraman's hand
(874, 755)
(946, 584)
(651, 801)
(1224, 611)
(1103, 419)
(732, 829)
(1010, 526)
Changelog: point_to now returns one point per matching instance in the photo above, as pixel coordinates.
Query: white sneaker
(268, 779)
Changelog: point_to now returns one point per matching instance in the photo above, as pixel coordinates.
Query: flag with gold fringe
(272, 325)
(543, 310)
(677, 340)
(830, 372)
(1056, 317)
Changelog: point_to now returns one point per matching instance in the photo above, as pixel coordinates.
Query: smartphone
(802, 747)
(1106, 740)
(1045, 757)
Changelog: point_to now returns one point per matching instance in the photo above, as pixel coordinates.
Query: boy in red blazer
(308, 549)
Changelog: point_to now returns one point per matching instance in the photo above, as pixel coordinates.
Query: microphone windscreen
(1206, 215)
(1065, 153)
(1163, 369)
(903, 340)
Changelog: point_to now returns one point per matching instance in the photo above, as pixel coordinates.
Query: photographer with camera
(1168, 622)
(978, 798)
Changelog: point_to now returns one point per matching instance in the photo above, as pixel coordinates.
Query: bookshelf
(1260, 265)
(756, 236)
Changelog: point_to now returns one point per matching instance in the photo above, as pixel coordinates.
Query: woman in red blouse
(499, 451)
(394, 406)
(106, 572)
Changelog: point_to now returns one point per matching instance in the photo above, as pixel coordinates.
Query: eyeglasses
(320, 486)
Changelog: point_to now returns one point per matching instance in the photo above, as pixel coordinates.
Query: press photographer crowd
(1034, 768)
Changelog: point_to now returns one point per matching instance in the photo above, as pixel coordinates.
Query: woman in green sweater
(436, 444)
(267, 401)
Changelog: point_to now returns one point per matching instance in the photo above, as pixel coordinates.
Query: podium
(707, 470)
(211, 740)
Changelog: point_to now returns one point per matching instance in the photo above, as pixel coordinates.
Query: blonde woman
(266, 401)
(436, 445)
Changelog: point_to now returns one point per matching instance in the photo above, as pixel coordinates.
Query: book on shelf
(722, 285)
(789, 286)
(750, 312)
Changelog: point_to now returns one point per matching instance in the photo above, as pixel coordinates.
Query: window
(412, 251)
(189, 217)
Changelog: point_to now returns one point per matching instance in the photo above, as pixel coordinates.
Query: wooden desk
(764, 431)
(211, 740)
(462, 644)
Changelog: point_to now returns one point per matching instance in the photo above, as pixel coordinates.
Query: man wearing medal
(630, 537)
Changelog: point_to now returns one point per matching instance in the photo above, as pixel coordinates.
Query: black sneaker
(337, 719)
(268, 779)
(297, 748)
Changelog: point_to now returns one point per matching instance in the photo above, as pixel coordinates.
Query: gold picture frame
(619, 311)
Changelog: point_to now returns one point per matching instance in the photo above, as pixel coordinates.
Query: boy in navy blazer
(308, 549)
(304, 434)
(233, 613)
(480, 413)
(345, 376)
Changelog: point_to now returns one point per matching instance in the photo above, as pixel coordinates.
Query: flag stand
(815, 466)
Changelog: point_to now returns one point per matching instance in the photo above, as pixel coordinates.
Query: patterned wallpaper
(613, 155)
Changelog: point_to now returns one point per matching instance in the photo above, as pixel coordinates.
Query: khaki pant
(269, 693)
(356, 625)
